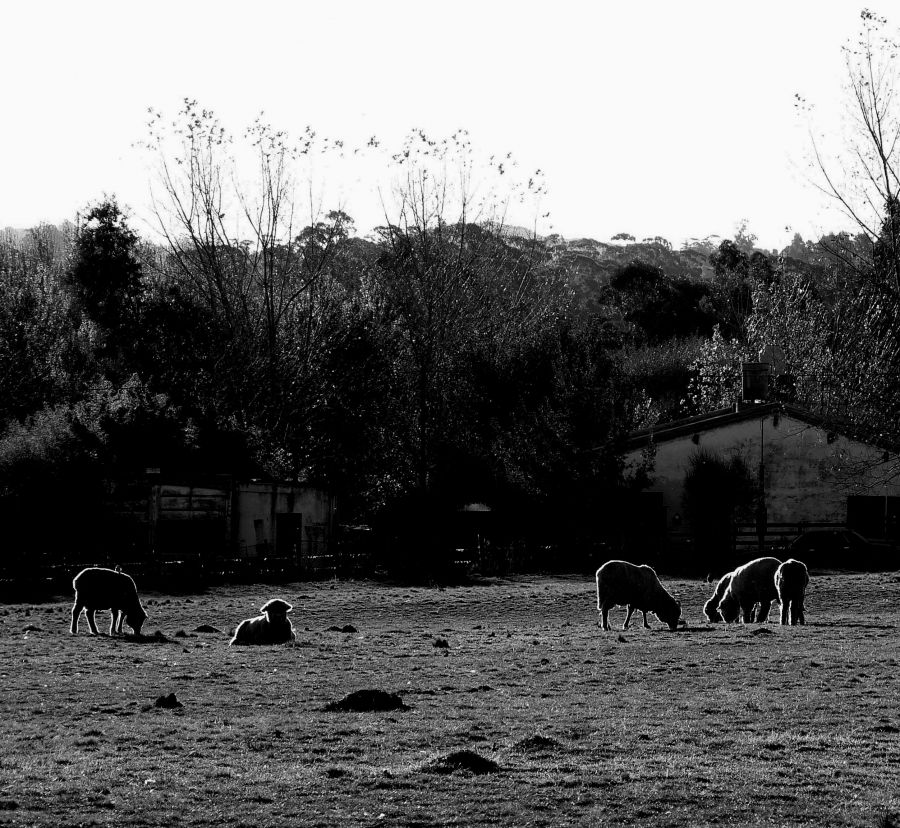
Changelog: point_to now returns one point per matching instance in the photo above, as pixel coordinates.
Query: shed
(224, 525)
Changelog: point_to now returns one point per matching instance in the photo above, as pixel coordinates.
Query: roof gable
(716, 419)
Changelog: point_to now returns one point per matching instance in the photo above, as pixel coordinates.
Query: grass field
(755, 725)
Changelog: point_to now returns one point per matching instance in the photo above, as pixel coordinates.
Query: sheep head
(670, 615)
(711, 612)
(135, 619)
(729, 608)
(276, 608)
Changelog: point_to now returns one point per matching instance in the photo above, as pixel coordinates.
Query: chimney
(755, 382)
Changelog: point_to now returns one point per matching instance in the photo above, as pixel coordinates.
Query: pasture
(755, 725)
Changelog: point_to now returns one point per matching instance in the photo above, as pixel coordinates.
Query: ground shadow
(853, 624)
(157, 638)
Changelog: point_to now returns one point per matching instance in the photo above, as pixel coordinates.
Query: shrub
(716, 491)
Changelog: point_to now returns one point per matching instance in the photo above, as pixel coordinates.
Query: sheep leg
(76, 612)
(797, 610)
(605, 615)
(113, 617)
(762, 616)
(747, 613)
(89, 614)
(628, 617)
(646, 625)
(786, 607)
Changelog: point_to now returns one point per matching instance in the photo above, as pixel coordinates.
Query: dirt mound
(367, 701)
(536, 744)
(887, 820)
(347, 628)
(465, 761)
(207, 628)
(169, 702)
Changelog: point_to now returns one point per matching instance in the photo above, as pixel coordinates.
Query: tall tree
(456, 287)
(105, 273)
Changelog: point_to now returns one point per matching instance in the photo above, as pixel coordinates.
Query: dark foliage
(105, 280)
(437, 366)
(660, 307)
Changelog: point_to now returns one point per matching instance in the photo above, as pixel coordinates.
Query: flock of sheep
(759, 582)
(619, 583)
(97, 588)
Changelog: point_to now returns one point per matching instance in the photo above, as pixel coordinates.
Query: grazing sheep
(97, 588)
(272, 627)
(711, 607)
(791, 579)
(752, 583)
(637, 587)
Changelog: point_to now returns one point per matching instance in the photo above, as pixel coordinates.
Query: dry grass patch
(706, 725)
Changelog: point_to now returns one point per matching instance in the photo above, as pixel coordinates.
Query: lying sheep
(272, 627)
(711, 607)
(752, 583)
(97, 588)
(791, 579)
(637, 587)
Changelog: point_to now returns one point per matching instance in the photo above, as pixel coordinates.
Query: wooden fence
(775, 539)
(39, 573)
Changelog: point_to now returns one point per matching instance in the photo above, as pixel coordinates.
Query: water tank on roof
(756, 381)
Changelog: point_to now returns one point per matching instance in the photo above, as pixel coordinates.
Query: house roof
(716, 419)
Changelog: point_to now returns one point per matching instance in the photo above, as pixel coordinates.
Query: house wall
(259, 504)
(809, 473)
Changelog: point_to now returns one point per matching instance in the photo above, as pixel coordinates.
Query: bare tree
(838, 335)
(243, 254)
(863, 176)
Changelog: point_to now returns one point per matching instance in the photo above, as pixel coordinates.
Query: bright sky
(655, 118)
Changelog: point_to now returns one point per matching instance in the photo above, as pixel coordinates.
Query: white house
(810, 473)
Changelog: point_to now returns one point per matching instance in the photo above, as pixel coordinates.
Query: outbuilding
(221, 525)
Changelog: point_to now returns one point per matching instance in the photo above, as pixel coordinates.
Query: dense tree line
(433, 364)
(439, 361)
